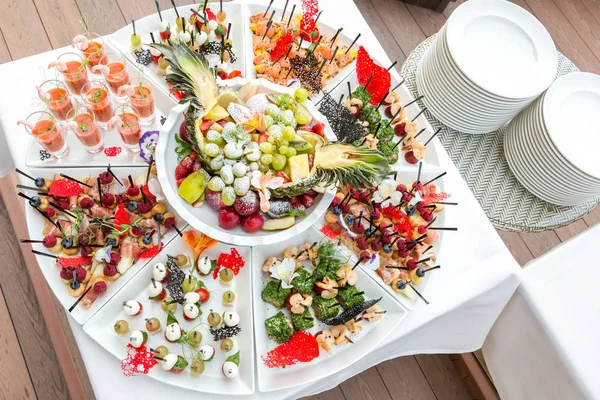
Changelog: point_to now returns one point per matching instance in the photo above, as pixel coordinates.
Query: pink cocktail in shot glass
(44, 128)
(114, 69)
(91, 46)
(71, 67)
(127, 122)
(82, 122)
(57, 98)
(141, 98)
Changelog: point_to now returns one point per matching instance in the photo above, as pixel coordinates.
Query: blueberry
(35, 201)
(420, 273)
(111, 242)
(74, 284)
(350, 219)
(337, 210)
(370, 232)
(410, 210)
(159, 218)
(67, 242)
(147, 239)
(400, 285)
(132, 205)
(388, 248)
(39, 182)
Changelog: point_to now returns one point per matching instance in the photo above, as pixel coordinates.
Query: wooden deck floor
(28, 368)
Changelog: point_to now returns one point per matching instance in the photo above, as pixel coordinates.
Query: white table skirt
(477, 278)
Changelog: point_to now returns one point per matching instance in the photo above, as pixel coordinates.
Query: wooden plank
(583, 22)
(451, 7)
(593, 217)
(404, 379)
(573, 229)
(540, 242)
(429, 21)
(442, 377)
(333, 394)
(22, 28)
(4, 53)
(400, 23)
(380, 30)
(517, 246)
(593, 6)
(474, 377)
(15, 382)
(367, 385)
(65, 11)
(103, 17)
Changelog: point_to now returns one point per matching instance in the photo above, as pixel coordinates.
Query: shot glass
(57, 98)
(95, 95)
(114, 69)
(43, 126)
(71, 67)
(83, 123)
(127, 122)
(141, 99)
(91, 46)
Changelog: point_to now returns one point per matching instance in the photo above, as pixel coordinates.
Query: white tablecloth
(477, 278)
(545, 345)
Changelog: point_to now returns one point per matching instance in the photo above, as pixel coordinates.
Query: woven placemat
(481, 162)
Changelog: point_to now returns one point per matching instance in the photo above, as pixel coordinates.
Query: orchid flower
(284, 272)
(156, 190)
(262, 183)
(103, 254)
(147, 144)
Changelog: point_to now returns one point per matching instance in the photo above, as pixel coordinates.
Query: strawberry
(181, 172)
(196, 167)
(205, 125)
(307, 201)
(193, 155)
(178, 94)
(296, 203)
(319, 129)
(286, 179)
(187, 163)
(235, 74)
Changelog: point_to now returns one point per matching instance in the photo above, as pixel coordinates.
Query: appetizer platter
(214, 29)
(296, 49)
(395, 229)
(318, 314)
(89, 245)
(187, 315)
(94, 113)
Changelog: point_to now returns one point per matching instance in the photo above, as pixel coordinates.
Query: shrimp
(271, 262)
(373, 314)
(299, 303)
(341, 335)
(290, 252)
(354, 326)
(311, 252)
(325, 340)
(387, 274)
(347, 276)
(328, 285)
(80, 40)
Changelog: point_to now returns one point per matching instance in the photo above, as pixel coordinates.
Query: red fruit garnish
(112, 151)
(80, 273)
(138, 361)
(86, 251)
(66, 274)
(263, 137)
(152, 251)
(319, 129)
(108, 199)
(121, 217)
(410, 157)
(411, 263)
(282, 46)
(248, 204)
(222, 75)
(380, 82)
(169, 223)
(133, 191)
(105, 177)
(307, 201)
(235, 74)
(204, 295)
(214, 200)
(181, 172)
(302, 347)
(253, 223)
(114, 257)
(361, 243)
(100, 287)
(286, 179)
(399, 129)
(211, 15)
(346, 209)
(65, 188)
(183, 134)
(310, 8)
(228, 218)
(70, 262)
(311, 161)
(205, 125)
(222, 122)
(144, 207)
(376, 246)
(178, 94)
(49, 241)
(388, 112)
(196, 167)
(296, 203)
(233, 261)
(86, 203)
(187, 163)
(327, 231)
(401, 188)
(110, 270)
(179, 181)
(336, 202)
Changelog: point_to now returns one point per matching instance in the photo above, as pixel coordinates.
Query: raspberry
(110, 270)
(63, 203)
(86, 251)
(49, 241)
(181, 172)
(345, 208)
(80, 273)
(114, 258)
(376, 214)
(336, 202)
(100, 287)
(108, 199)
(106, 178)
(421, 206)
(418, 185)
(411, 263)
(66, 274)
(86, 203)
(376, 245)
(401, 188)
(133, 191)
(137, 231)
(427, 216)
(361, 243)
(406, 197)
(50, 212)
(187, 163)
(83, 239)
(169, 223)
(144, 207)
(402, 253)
(122, 198)
(365, 255)
(358, 227)
(422, 229)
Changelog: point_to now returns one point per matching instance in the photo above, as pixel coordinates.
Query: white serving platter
(122, 41)
(204, 218)
(100, 327)
(325, 365)
(252, 8)
(35, 225)
(78, 156)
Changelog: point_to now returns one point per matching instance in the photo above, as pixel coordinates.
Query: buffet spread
(259, 204)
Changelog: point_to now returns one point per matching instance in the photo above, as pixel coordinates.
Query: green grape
(228, 297)
(121, 327)
(284, 143)
(301, 119)
(268, 121)
(136, 40)
(266, 159)
(228, 195)
(279, 161)
(273, 111)
(271, 140)
(161, 351)
(289, 133)
(283, 149)
(291, 152)
(227, 345)
(214, 136)
(301, 94)
(266, 148)
(197, 367)
(212, 150)
(216, 184)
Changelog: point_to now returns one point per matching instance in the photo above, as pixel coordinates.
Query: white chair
(546, 343)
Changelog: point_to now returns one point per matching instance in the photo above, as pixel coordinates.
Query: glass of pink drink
(44, 128)
(114, 69)
(91, 46)
(127, 122)
(72, 68)
(56, 97)
(141, 98)
(83, 123)
(95, 95)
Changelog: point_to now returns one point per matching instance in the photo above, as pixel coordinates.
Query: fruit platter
(90, 244)
(187, 316)
(290, 47)
(214, 29)
(319, 313)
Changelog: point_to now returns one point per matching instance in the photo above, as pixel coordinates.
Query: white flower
(262, 184)
(284, 272)
(156, 190)
(103, 254)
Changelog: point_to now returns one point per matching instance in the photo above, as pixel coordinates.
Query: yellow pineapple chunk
(298, 167)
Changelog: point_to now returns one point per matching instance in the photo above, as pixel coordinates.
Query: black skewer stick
(316, 45)
(419, 173)
(24, 174)
(100, 192)
(349, 90)
(377, 130)
(228, 31)
(149, 168)
(114, 176)
(436, 178)
(204, 8)
(341, 98)
(70, 214)
(424, 260)
(417, 292)
(431, 223)
(397, 86)
(429, 269)
(175, 8)
(79, 299)
(268, 27)
(358, 262)
(133, 25)
(418, 114)
(159, 238)
(436, 228)
(40, 253)
(159, 358)
(396, 145)
(395, 267)
(31, 188)
(414, 101)
(318, 15)
(198, 15)
(333, 54)
(427, 249)
(75, 180)
(289, 51)
(130, 180)
(392, 66)
(447, 203)
(352, 44)
(268, 8)
(158, 9)
(291, 15)
(152, 37)
(284, 10)
(30, 241)
(335, 37)
(432, 136)
(418, 133)
(221, 5)
(177, 230)
(368, 82)
(322, 65)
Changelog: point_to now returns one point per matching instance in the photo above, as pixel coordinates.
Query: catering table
(477, 278)
(545, 343)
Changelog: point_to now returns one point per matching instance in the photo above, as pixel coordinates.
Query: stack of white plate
(553, 146)
(488, 62)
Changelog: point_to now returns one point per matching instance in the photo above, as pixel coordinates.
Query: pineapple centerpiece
(257, 156)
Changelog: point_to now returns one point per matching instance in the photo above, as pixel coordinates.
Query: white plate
(431, 156)
(35, 225)
(325, 365)
(570, 111)
(100, 327)
(502, 48)
(204, 218)
(78, 156)
(251, 8)
(235, 14)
